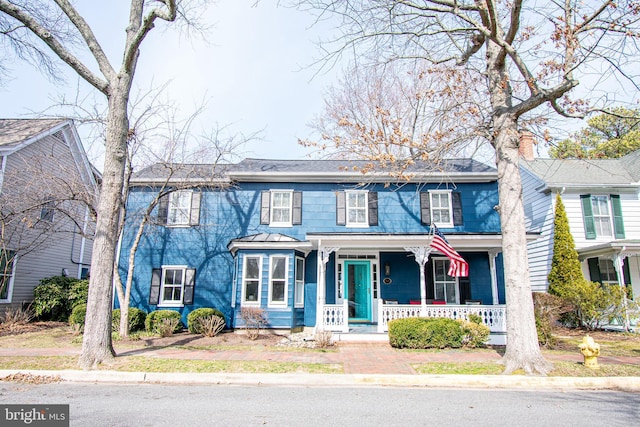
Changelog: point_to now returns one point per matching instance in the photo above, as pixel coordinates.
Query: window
(278, 280)
(445, 286)
(602, 216)
(172, 286)
(7, 264)
(251, 278)
(299, 283)
(607, 271)
(441, 214)
(281, 208)
(48, 208)
(356, 209)
(179, 208)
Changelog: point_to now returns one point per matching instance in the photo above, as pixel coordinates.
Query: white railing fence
(494, 316)
(335, 317)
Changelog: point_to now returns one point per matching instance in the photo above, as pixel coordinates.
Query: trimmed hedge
(192, 318)
(420, 333)
(78, 314)
(137, 319)
(155, 318)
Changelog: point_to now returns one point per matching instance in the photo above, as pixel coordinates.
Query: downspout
(82, 242)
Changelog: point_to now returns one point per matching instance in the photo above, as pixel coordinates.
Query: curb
(627, 384)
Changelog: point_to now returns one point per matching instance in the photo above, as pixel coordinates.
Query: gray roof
(558, 173)
(160, 172)
(15, 131)
(266, 237)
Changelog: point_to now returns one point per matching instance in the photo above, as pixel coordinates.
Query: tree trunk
(96, 344)
(523, 350)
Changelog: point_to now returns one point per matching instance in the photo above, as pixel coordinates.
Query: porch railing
(494, 316)
(335, 317)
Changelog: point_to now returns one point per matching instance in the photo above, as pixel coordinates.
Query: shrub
(254, 319)
(16, 316)
(78, 314)
(595, 303)
(474, 334)
(323, 339)
(159, 321)
(210, 326)
(475, 318)
(55, 297)
(192, 318)
(416, 332)
(137, 319)
(547, 309)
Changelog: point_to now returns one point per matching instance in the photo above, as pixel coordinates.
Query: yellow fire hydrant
(590, 350)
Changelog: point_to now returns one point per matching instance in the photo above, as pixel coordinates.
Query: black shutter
(189, 285)
(626, 273)
(194, 217)
(465, 289)
(587, 214)
(373, 208)
(265, 206)
(428, 272)
(297, 208)
(618, 223)
(154, 292)
(456, 202)
(594, 270)
(425, 208)
(341, 208)
(163, 209)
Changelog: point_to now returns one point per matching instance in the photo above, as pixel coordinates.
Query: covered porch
(371, 279)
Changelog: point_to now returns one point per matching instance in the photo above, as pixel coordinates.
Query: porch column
(421, 254)
(618, 263)
(493, 253)
(323, 259)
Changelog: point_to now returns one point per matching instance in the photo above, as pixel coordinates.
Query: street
(225, 405)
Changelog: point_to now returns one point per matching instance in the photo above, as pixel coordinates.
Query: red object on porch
(439, 301)
(414, 301)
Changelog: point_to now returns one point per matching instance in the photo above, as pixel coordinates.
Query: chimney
(525, 148)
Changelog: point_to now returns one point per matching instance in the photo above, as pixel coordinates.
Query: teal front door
(358, 290)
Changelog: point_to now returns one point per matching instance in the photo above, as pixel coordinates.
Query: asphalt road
(227, 405)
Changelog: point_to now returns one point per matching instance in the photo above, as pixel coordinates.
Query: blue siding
(405, 277)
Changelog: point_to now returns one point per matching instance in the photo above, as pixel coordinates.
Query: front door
(358, 290)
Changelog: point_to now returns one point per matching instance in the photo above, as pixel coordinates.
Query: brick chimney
(526, 145)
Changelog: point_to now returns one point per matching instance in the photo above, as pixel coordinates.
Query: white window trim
(455, 281)
(298, 290)
(243, 301)
(273, 223)
(599, 235)
(11, 280)
(285, 302)
(608, 282)
(364, 224)
(437, 223)
(161, 302)
(171, 196)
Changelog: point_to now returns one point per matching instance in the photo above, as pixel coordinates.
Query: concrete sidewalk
(364, 364)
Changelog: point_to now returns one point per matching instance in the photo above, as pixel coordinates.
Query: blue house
(316, 243)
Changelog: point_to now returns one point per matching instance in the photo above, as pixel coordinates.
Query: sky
(255, 72)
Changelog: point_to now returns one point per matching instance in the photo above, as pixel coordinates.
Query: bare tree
(531, 55)
(44, 26)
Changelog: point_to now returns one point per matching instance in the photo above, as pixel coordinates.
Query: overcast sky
(254, 72)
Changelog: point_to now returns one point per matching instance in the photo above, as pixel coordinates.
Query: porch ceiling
(624, 247)
(397, 241)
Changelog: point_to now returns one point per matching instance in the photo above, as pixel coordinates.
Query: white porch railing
(494, 316)
(335, 317)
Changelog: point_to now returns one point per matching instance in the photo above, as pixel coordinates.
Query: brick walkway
(356, 358)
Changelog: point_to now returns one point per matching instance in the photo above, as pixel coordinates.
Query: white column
(321, 297)
(421, 254)
(493, 253)
(618, 263)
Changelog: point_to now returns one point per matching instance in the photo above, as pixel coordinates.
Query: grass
(562, 369)
(152, 364)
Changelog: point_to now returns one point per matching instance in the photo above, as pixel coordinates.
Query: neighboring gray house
(47, 188)
(602, 201)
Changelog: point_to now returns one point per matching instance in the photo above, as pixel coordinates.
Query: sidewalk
(363, 363)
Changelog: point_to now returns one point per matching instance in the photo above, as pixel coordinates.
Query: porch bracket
(421, 254)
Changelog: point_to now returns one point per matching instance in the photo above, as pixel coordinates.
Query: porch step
(356, 337)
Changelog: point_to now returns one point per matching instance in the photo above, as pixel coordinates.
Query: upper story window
(179, 208)
(172, 286)
(47, 211)
(441, 207)
(281, 208)
(357, 208)
(7, 263)
(278, 280)
(602, 216)
(251, 279)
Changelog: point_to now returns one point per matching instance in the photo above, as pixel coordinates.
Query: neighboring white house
(47, 188)
(602, 201)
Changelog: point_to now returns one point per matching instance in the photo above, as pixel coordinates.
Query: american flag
(458, 266)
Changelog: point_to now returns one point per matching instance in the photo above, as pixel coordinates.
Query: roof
(263, 241)
(583, 173)
(16, 131)
(274, 170)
